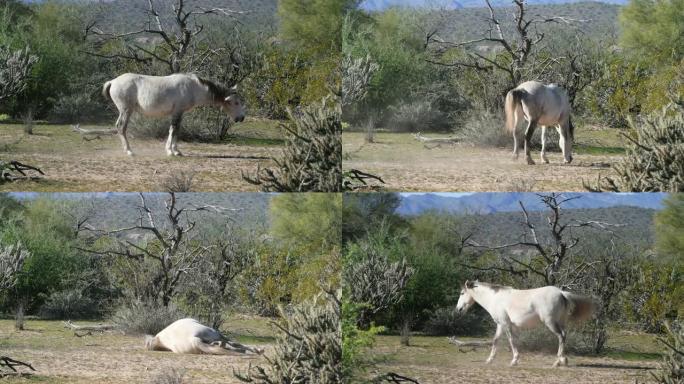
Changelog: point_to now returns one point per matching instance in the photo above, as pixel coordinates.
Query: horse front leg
(121, 127)
(497, 335)
(510, 334)
(544, 159)
(528, 138)
(171, 143)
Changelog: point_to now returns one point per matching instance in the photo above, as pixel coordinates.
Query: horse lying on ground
(540, 104)
(513, 309)
(159, 96)
(189, 336)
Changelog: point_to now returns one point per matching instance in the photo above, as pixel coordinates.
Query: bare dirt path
(408, 165)
(61, 357)
(74, 164)
(433, 360)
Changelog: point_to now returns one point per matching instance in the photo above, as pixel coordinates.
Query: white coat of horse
(540, 104)
(513, 309)
(173, 95)
(189, 336)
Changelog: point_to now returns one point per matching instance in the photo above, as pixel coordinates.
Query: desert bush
(69, 304)
(415, 116)
(655, 158)
(138, 318)
(178, 182)
(169, 376)
(447, 322)
(79, 108)
(485, 129)
(308, 346)
(312, 160)
(671, 370)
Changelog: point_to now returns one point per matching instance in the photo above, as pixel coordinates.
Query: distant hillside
(484, 203)
(593, 19)
(379, 5)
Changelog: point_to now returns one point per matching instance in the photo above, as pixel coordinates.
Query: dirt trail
(72, 164)
(407, 165)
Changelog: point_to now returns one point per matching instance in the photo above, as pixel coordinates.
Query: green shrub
(69, 304)
(140, 318)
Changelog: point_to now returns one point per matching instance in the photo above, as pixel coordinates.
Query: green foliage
(314, 24)
(669, 224)
(653, 29)
(145, 318)
(355, 341)
(303, 256)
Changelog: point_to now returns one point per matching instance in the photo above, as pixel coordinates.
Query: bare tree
(173, 246)
(168, 36)
(551, 249)
(516, 48)
(15, 70)
(12, 260)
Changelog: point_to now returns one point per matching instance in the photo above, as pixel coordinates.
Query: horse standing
(540, 104)
(159, 96)
(513, 309)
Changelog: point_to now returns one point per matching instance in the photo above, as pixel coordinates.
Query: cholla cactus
(308, 346)
(671, 370)
(377, 283)
(356, 75)
(12, 260)
(15, 68)
(312, 160)
(655, 160)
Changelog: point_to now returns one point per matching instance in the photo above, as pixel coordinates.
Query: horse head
(466, 299)
(233, 105)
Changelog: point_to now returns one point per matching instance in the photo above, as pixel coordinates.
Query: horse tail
(513, 98)
(105, 90)
(581, 307)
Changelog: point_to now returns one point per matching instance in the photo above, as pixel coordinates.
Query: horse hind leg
(565, 142)
(171, 143)
(528, 138)
(516, 117)
(511, 335)
(544, 159)
(560, 333)
(121, 127)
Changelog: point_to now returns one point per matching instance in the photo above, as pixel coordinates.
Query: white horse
(159, 96)
(546, 105)
(189, 336)
(513, 309)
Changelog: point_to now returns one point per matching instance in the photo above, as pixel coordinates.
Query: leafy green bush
(447, 322)
(671, 370)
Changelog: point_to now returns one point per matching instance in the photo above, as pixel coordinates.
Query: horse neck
(484, 296)
(204, 96)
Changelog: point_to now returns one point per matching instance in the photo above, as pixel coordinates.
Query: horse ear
(469, 284)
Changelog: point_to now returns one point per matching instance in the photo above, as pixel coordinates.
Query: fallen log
(94, 131)
(9, 170)
(472, 344)
(12, 364)
(435, 140)
(96, 328)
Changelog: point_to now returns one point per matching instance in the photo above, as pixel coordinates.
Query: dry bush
(308, 346)
(181, 181)
(671, 370)
(140, 318)
(655, 158)
(312, 159)
(169, 376)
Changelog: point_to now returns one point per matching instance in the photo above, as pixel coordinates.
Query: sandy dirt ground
(433, 360)
(61, 357)
(73, 164)
(408, 165)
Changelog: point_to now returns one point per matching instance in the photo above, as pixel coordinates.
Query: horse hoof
(129, 153)
(545, 160)
(514, 363)
(530, 161)
(177, 153)
(489, 361)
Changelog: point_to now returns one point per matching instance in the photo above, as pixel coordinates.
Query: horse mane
(219, 92)
(494, 287)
